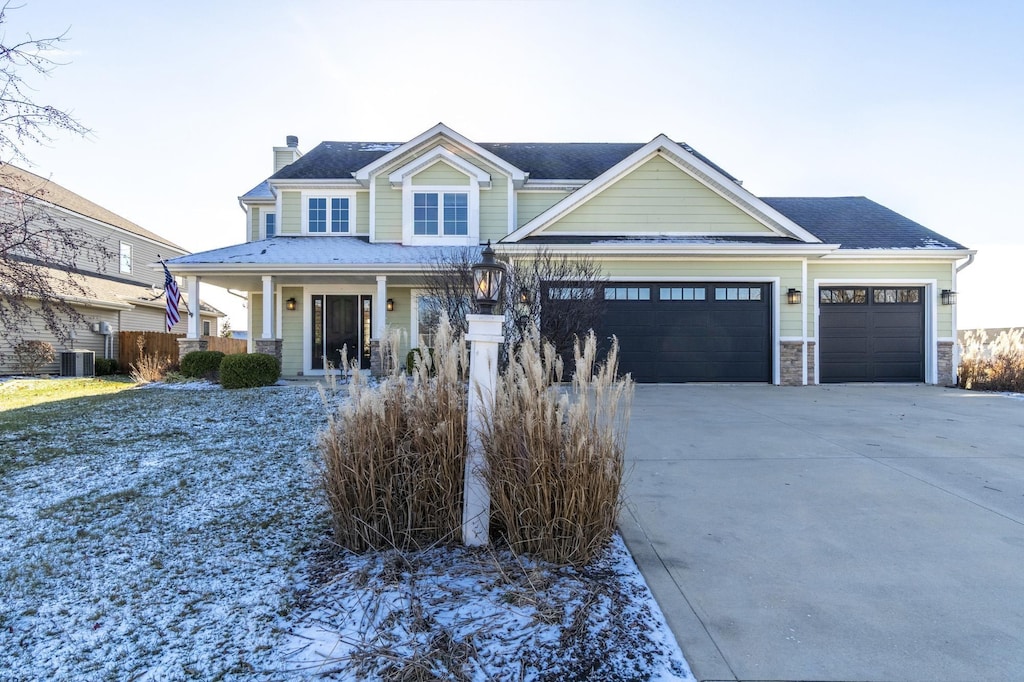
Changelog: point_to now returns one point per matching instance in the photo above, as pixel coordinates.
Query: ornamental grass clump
(555, 455)
(998, 366)
(393, 455)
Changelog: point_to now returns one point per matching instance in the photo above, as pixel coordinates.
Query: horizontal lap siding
(363, 212)
(529, 205)
(291, 213)
(254, 223)
(440, 173)
(494, 209)
(388, 216)
(291, 332)
(657, 197)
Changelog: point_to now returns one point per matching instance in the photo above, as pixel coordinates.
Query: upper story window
(326, 214)
(126, 258)
(444, 213)
(269, 224)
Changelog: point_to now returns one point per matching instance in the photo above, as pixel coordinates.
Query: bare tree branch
(41, 253)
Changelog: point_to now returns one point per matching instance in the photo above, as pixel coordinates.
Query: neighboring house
(706, 282)
(125, 293)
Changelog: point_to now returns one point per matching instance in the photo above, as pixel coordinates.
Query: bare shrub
(555, 456)
(31, 355)
(149, 368)
(393, 456)
(998, 366)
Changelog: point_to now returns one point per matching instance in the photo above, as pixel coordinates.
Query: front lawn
(178, 534)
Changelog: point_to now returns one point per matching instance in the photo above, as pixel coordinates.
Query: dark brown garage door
(871, 334)
(679, 332)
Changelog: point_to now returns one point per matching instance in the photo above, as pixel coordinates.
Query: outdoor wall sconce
(290, 304)
(524, 296)
(793, 296)
(948, 297)
(391, 305)
(488, 281)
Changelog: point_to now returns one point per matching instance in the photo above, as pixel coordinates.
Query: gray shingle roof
(858, 223)
(30, 184)
(541, 160)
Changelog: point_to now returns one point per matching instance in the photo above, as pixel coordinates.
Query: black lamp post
(488, 281)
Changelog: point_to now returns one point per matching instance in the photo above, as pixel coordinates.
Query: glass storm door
(337, 323)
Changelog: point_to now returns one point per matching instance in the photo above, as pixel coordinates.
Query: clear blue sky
(917, 105)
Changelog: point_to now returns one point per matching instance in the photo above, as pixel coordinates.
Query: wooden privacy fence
(164, 345)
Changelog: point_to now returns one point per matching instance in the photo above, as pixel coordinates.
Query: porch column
(193, 305)
(268, 307)
(380, 307)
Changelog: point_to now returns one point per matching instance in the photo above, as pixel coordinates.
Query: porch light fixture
(525, 297)
(391, 305)
(290, 304)
(948, 297)
(793, 296)
(488, 281)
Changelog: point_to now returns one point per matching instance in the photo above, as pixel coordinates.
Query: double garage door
(692, 331)
(871, 334)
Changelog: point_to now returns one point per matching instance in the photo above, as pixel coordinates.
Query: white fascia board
(439, 153)
(688, 163)
(799, 250)
(548, 185)
(364, 174)
(314, 183)
(94, 303)
(901, 254)
(296, 269)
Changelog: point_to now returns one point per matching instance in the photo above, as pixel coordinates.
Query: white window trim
(264, 212)
(120, 258)
(327, 194)
(472, 236)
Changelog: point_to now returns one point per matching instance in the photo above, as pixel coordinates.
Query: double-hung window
(269, 224)
(441, 213)
(328, 215)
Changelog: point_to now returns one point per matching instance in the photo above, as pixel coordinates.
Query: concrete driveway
(846, 532)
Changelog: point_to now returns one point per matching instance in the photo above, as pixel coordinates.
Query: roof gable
(711, 178)
(431, 139)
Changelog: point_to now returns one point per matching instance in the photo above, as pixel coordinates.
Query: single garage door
(871, 334)
(678, 332)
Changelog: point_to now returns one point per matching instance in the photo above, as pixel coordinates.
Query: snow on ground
(179, 534)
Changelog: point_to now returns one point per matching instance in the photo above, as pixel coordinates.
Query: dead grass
(150, 367)
(394, 455)
(556, 456)
(998, 366)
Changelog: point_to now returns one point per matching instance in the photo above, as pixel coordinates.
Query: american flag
(173, 298)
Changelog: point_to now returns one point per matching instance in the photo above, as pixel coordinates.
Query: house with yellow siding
(701, 279)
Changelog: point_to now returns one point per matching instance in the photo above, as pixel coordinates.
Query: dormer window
(328, 213)
(269, 224)
(445, 213)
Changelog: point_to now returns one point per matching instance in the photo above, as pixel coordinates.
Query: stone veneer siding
(945, 363)
(268, 347)
(376, 360)
(186, 346)
(791, 363)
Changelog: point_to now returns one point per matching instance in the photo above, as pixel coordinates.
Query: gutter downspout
(970, 259)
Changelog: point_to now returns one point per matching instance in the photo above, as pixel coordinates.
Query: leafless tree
(561, 295)
(40, 252)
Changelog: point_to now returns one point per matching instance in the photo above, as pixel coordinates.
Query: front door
(338, 323)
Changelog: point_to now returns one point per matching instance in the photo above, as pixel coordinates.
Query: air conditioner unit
(77, 363)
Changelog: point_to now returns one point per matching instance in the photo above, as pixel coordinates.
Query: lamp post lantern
(484, 336)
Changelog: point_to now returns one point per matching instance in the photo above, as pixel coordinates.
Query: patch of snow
(378, 147)
(181, 535)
